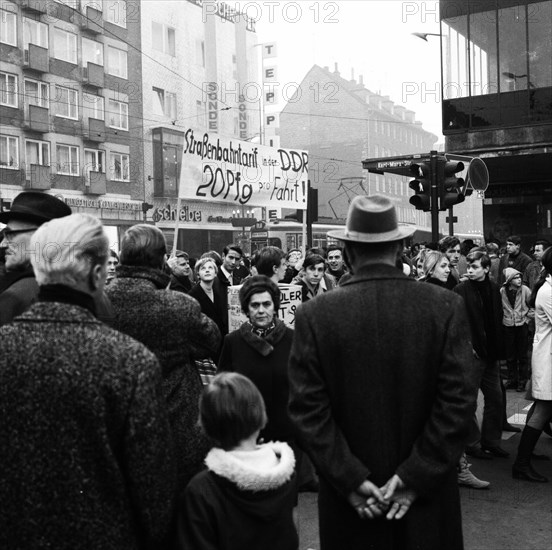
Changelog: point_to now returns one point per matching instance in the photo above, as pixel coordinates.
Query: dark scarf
(66, 295)
(265, 346)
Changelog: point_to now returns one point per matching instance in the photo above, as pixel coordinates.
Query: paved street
(511, 515)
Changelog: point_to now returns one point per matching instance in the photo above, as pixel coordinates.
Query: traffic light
(450, 186)
(422, 186)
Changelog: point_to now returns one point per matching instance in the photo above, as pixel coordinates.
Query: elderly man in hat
(382, 389)
(29, 211)
(19, 289)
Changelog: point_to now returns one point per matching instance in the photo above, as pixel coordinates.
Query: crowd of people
(133, 417)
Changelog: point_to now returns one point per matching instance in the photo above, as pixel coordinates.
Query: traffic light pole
(434, 197)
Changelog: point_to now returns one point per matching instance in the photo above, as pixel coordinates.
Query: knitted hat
(509, 274)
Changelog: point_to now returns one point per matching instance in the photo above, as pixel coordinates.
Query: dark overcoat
(87, 457)
(381, 382)
(264, 362)
(171, 325)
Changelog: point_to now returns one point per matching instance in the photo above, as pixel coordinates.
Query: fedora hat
(35, 207)
(372, 219)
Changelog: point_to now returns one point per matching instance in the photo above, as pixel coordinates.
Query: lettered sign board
(290, 299)
(238, 172)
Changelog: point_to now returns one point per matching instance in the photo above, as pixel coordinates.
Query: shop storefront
(202, 226)
(116, 215)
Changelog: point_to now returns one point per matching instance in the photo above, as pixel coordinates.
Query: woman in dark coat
(207, 294)
(259, 349)
(435, 268)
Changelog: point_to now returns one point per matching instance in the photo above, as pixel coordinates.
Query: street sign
(478, 175)
(399, 165)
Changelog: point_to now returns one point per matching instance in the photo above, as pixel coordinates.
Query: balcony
(96, 130)
(37, 59)
(92, 20)
(37, 119)
(95, 183)
(37, 6)
(93, 75)
(38, 177)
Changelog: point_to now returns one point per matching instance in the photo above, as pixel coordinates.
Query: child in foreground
(244, 500)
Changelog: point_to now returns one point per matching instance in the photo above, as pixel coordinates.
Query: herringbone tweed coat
(85, 443)
(171, 325)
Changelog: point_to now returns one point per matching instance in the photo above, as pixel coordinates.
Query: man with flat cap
(29, 211)
(382, 390)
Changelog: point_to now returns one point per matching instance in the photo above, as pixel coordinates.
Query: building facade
(340, 122)
(497, 104)
(198, 59)
(70, 111)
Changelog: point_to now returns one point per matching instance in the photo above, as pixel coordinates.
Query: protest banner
(290, 299)
(240, 172)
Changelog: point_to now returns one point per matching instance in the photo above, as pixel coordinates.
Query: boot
(522, 469)
(466, 478)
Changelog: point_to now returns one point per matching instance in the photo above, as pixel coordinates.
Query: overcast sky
(373, 37)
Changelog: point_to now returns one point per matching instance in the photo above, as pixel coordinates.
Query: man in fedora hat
(29, 211)
(381, 394)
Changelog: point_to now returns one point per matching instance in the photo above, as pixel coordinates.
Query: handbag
(207, 369)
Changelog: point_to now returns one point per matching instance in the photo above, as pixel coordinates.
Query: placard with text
(290, 299)
(242, 173)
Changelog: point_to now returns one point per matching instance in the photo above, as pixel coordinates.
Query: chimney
(361, 80)
(336, 71)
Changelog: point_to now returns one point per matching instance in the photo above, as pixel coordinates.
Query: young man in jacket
(484, 306)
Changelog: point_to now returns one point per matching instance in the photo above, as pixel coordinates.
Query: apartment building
(70, 111)
(196, 64)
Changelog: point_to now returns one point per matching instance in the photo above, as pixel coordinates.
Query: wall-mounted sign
(168, 213)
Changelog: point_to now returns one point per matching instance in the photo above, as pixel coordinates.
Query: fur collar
(265, 346)
(246, 475)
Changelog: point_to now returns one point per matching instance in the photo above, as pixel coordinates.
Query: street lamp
(424, 35)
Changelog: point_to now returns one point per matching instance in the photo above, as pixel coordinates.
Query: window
(67, 103)
(36, 152)
(9, 152)
(65, 46)
(36, 93)
(117, 62)
(116, 12)
(8, 33)
(164, 103)
(67, 160)
(118, 114)
(93, 106)
(92, 52)
(119, 167)
(163, 38)
(94, 161)
(8, 90)
(35, 32)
